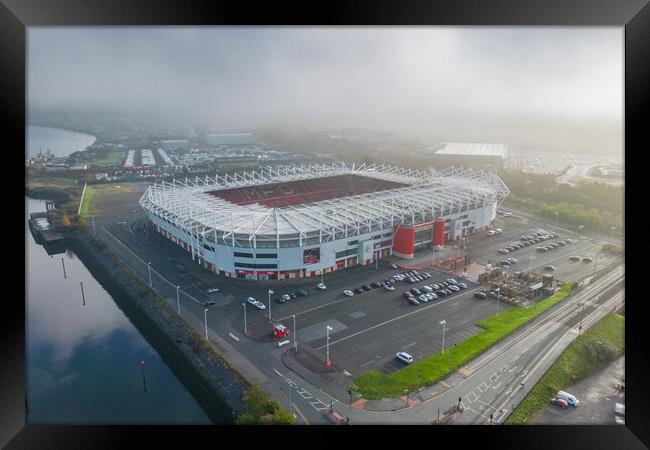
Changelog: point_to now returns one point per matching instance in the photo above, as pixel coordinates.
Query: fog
(551, 87)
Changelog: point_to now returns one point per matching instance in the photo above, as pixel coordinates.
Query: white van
(404, 357)
(570, 399)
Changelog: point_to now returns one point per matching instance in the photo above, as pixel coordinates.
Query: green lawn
(89, 196)
(597, 346)
(112, 157)
(374, 385)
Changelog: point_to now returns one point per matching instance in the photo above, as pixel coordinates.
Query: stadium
(304, 220)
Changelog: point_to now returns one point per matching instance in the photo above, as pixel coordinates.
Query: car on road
(412, 301)
(348, 293)
(462, 285)
(404, 357)
(212, 290)
(454, 288)
(480, 294)
(559, 402)
(575, 258)
(209, 303)
(285, 297)
(388, 287)
(321, 286)
(302, 292)
(549, 268)
(359, 290)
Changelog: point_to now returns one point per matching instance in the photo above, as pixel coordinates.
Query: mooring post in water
(83, 299)
(63, 263)
(144, 379)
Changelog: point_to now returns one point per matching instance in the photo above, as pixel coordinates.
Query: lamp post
(149, 268)
(612, 228)
(498, 290)
(557, 217)
(270, 292)
(328, 362)
(245, 330)
(444, 328)
(178, 301)
(205, 318)
(295, 343)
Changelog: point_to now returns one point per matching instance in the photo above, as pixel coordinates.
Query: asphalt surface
(369, 328)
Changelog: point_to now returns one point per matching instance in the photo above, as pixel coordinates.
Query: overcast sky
(554, 85)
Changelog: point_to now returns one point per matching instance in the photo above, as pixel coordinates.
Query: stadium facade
(301, 221)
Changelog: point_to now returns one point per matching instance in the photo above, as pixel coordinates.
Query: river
(83, 362)
(59, 142)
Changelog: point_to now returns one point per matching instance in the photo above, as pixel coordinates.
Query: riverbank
(216, 386)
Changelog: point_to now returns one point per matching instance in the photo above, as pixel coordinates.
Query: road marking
(233, 336)
(496, 385)
(410, 345)
(474, 399)
(369, 362)
(482, 387)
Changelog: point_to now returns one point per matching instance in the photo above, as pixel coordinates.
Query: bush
(259, 409)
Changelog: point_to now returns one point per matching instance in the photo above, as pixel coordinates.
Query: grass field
(112, 157)
(374, 385)
(96, 194)
(599, 345)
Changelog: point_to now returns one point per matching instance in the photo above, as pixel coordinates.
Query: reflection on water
(82, 361)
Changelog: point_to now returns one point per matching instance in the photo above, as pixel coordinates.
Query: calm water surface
(59, 142)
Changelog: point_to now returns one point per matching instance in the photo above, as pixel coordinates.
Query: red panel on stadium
(278, 195)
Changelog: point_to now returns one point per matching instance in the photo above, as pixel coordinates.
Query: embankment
(216, 386)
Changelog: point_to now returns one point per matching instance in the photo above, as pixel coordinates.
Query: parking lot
(367, 328)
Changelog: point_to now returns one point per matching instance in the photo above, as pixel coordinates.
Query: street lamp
(498, 291)
(295, 343)
(613, 229)
(444, 328)
(205, 318)
(557, 217)
(245, 330)
(270, 292)
(178, 301)
(328, 362)
(149, 268)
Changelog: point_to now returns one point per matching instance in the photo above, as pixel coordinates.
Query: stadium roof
(429, 194)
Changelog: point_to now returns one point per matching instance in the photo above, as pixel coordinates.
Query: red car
(559, 402)
(407, 295)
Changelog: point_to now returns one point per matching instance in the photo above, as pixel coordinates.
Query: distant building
(475, 155)
(174, 143)
(229, 139)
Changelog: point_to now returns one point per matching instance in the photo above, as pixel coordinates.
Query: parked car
(504, 262)
(575, 258)
(359, 290)
(587, 260)
(462, 285)
(366, 287)
(286, 297)
(561, 243)
(212, 290)
(348, 293)
(375, 284)
(321, 286)
(415, 291)
(412, 301)
(444, 284)
(569, 398)
(404, 357)
(293, 295)
(251, 300)
(451, 281)
(209, 303)
(423, 298)
(302, 292)
(441, 293)
(498, 231)
(448, 291)
(388, 287)
(407, 294)
(559, 402)
(279, 300)
(512, 260)
(393, 266)
(432, 295)
(480, 294)
(550, 268)
(454, 288)
(435, 286)
(426, 288)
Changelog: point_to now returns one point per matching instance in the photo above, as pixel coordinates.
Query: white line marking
(365, 364)
(233, 336)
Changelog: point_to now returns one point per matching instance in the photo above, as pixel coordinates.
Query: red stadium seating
(279, 195)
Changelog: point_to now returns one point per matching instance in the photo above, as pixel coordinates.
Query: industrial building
(174, 143)
(301, 221)
(474, 155)
(229, 139)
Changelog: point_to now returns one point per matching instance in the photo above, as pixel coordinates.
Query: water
(82, 361)
(59, 142)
